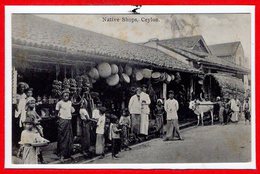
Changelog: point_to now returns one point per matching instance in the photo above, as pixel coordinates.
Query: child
(65, 135)
(33, 114)
(227, 112)
(115, 137)
(246, 109)
(100, 140)
(28, 137)
(159, 112)
(85, 124)
(125, 123)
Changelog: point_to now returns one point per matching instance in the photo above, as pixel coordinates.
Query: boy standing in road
(171, 108)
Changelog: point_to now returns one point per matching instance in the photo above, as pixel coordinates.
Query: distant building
(226, 60)
(232, 51)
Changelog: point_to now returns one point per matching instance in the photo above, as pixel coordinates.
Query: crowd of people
(99, 127)
(231, 110)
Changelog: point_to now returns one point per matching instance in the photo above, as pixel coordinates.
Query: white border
(9, 10)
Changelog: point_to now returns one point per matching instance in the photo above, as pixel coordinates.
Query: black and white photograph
(131, 88)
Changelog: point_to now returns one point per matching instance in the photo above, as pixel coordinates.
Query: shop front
(92, 66)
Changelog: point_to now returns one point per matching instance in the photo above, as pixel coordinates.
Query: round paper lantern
(113, 80)
(93, 73)
(173, 77)
(104, 70)
(114, 69)
(147, 73)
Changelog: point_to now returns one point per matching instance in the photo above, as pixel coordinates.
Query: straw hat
(93, 73)
(128, 70)
(139, 76)
(104, 70)
(156, 75)
(173, 77)
(169, 78)
(125, 78)
(113, 80)
(147, 73)
(114, 69)
(120, 69)
(163, 77)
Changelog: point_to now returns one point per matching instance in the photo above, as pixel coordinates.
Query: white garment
(171, 108)
(65, 109)
(134, 105)
(101, 125)
(95, 113)
(21, 108)
(145, 102)
(83, 114)
(144, 126)
(235, 104)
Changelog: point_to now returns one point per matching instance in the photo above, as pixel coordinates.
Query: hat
(160, 100)
(29, 120)
(26, 86)
(171, 92)
(65, 91)
(30, 99)
(144, 85)
(104, 70)
(103, 109)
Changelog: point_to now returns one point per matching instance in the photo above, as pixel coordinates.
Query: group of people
(231, 110)
(99, 127)
(139, 110)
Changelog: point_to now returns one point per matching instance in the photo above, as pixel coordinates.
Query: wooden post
(164, 91)
(14, 83)
(57, 67)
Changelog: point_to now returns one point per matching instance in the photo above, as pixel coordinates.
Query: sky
(215, 28)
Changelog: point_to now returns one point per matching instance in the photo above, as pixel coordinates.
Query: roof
(44, 33)
(224, 49)
(229, 83)
(184, 42)
(210, 59)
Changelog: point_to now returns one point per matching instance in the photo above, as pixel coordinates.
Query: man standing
(145, 111)
(134, 108)
(171, 108)
(235, 106)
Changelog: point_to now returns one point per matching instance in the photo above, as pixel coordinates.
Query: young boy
(65, 135)
(246, 109)
(85, 125)
(125, 123)
(115, 137)
(100, 130)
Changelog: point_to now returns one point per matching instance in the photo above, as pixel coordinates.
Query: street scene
(94, 89)
(234, 146)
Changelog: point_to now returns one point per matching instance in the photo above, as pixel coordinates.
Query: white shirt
(134, 105)
(235, 104)
(65, 109)
(101, 125)
(95, 113)
(145, 107)
(171, 108)
(83, 114)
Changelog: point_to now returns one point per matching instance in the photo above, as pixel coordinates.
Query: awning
(228, 83)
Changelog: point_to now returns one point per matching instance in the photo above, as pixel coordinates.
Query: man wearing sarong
(145, 111)
(65, 135)
(171, 108)
(235, 107)
(134, 108)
